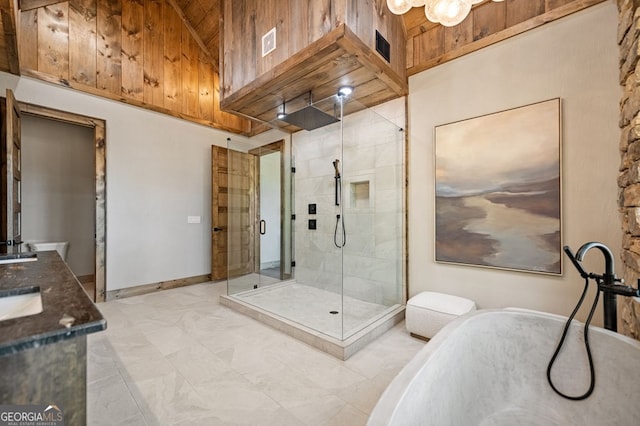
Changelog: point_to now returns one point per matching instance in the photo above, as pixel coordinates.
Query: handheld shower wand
(338, 194)
(607, 284)
(338, 188)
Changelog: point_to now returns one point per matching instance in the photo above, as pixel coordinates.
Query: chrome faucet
(606, 282)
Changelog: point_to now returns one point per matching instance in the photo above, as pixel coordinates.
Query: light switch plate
(193, 219)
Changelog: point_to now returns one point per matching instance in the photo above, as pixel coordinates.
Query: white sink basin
(18, 258)
(21, 305)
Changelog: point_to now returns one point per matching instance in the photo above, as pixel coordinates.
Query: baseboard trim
(154, 287)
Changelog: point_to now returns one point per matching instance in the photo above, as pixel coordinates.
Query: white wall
(158, 173)
(574, 58)
(58, 189)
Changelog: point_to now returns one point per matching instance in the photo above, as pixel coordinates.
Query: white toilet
(60, 246)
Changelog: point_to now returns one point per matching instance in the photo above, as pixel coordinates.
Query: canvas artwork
(498, 190)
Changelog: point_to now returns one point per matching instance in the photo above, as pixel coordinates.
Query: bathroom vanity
(45, 316)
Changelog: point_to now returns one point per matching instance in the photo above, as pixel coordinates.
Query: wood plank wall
(365, 18)
(298, 24)
(8, 38)
(429, 45)
(136, 51)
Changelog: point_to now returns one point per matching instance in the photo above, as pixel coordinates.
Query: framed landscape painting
(498, 187)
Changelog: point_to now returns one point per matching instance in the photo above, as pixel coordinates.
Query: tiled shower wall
(629, 179)
(370, 266)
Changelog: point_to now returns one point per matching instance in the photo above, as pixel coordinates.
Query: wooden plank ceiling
(203, 16)
(427, 44)
(140, 52)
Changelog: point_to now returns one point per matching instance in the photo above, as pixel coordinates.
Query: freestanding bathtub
(489, 368)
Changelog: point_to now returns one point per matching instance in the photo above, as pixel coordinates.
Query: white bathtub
(489, 368)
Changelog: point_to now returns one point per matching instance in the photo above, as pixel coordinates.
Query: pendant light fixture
(446, 12)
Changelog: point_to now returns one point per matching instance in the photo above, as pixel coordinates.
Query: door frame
(10, 228)
(219, 228)
(277, 146)
(100, 143)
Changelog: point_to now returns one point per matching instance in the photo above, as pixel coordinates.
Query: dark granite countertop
(62, 296)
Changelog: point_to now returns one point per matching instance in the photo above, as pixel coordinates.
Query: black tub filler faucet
(607, 282)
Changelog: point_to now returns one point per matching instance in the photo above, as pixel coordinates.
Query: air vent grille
(383, 47)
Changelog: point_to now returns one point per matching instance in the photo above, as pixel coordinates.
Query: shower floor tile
(324, 311)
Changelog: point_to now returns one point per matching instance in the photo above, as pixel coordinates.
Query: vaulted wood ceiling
(203, 16)
(509, 17)
(427, 44)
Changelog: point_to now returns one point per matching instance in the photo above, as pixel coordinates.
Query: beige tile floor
(178, 357)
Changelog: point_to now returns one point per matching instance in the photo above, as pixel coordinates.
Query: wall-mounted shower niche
(361, 194)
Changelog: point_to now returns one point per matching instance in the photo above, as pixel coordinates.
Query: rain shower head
(309, 118)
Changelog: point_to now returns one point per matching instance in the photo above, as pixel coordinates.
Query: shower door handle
(263, 227)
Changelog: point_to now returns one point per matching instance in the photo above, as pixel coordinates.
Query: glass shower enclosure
(316, 222)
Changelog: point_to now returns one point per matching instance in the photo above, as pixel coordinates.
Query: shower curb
(341, 349)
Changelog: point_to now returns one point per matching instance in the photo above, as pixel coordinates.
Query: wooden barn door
(232, 213)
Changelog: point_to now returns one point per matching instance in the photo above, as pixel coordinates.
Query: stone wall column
(629, 177)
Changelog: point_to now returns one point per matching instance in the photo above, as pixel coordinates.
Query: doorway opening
(86, 254)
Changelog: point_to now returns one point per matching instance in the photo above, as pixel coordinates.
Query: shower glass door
(271, 264)
(258, 252)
